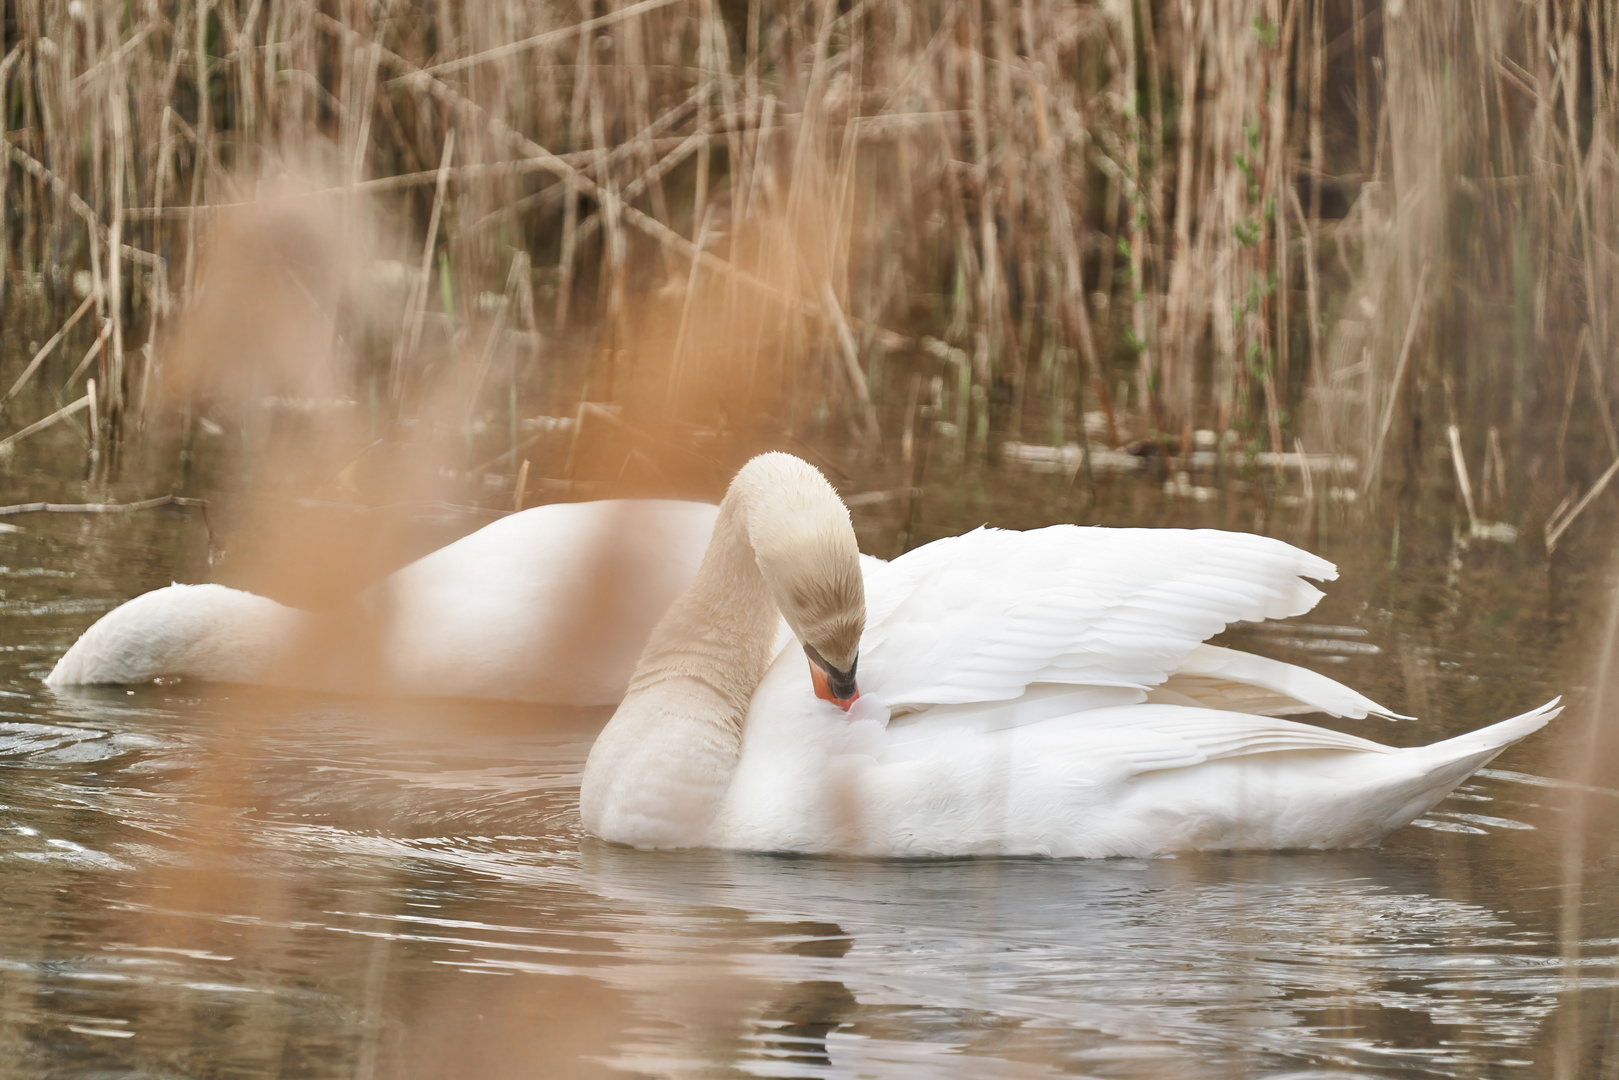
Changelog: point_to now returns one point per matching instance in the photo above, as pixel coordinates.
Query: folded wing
(984, 616)
(1217, 678)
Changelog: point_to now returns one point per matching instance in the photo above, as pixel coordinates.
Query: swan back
(207, 632)
(552, 604)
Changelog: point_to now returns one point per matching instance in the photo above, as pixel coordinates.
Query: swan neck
(660, 768)
(782, 546)
(719, 632)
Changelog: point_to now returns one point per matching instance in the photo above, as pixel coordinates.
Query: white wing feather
(980, 617)
(1151, 737)
(1218, 678)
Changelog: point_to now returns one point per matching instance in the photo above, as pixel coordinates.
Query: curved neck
(720, 630)
(664, 762)
(661, 766)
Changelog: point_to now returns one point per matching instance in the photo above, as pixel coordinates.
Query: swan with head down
(551, 604)
(998, 693)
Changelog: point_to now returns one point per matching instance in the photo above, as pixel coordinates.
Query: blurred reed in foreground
(1340, 226)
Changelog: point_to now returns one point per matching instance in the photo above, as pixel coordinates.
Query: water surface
(228, 882)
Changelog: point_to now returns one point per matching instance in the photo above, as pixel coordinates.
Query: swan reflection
(1215, 965)
(404, 890)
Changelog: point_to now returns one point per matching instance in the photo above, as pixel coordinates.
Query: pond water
(225, 882)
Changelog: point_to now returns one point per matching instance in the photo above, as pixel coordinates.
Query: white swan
(1037, 693)
(552, 604)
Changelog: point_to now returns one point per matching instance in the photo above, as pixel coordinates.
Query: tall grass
(1340, 225)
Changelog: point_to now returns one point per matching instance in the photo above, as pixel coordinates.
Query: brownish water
(221, 882)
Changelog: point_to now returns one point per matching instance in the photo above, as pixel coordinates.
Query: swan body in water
(1017, 693)
(552, 604)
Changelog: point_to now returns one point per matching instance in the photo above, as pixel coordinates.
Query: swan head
(806, 551)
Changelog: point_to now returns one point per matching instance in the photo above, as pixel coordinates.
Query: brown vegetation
(1343, 224)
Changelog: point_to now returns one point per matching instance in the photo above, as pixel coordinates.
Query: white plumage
(1005, 686)
(1036, 693)
(551, 604)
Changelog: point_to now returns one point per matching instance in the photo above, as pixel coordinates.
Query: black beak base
(840, 683)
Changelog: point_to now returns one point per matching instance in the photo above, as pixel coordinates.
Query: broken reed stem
(121, 508)
(522, 487)
(546, 40)
(101, 508)
(90, 354)
(1463, 481)
(113, 371)
(1411, 324)
(1557, 525)
(5, 168)
(496, 332)
(411, 334)
(45, 350)
(851, 364)
(40, 425)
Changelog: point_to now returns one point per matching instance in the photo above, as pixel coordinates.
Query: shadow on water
(225, 881)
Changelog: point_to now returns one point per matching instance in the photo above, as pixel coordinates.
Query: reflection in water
(793, 1028)
(302, 887)
(219, 881)
(1346, 957)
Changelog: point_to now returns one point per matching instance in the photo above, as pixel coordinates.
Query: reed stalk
(1230, 208)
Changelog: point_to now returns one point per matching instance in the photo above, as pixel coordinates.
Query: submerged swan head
(806, 552)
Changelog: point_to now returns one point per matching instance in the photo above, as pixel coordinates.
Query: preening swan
(1035, 693)
(552, 604)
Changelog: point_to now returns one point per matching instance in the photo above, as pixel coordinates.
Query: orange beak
(824, 691)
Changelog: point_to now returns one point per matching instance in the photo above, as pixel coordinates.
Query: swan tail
(1442, 766)
(1476, 748)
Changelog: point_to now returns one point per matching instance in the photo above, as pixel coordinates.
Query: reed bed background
(1380, 234)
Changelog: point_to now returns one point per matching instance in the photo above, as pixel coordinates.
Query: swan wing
(1220, 678)
(981, 617)
(1149, 737)
(1116, 741)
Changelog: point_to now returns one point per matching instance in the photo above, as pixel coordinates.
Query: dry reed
(1280, 218)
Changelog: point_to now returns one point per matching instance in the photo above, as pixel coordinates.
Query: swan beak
(835, 686)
